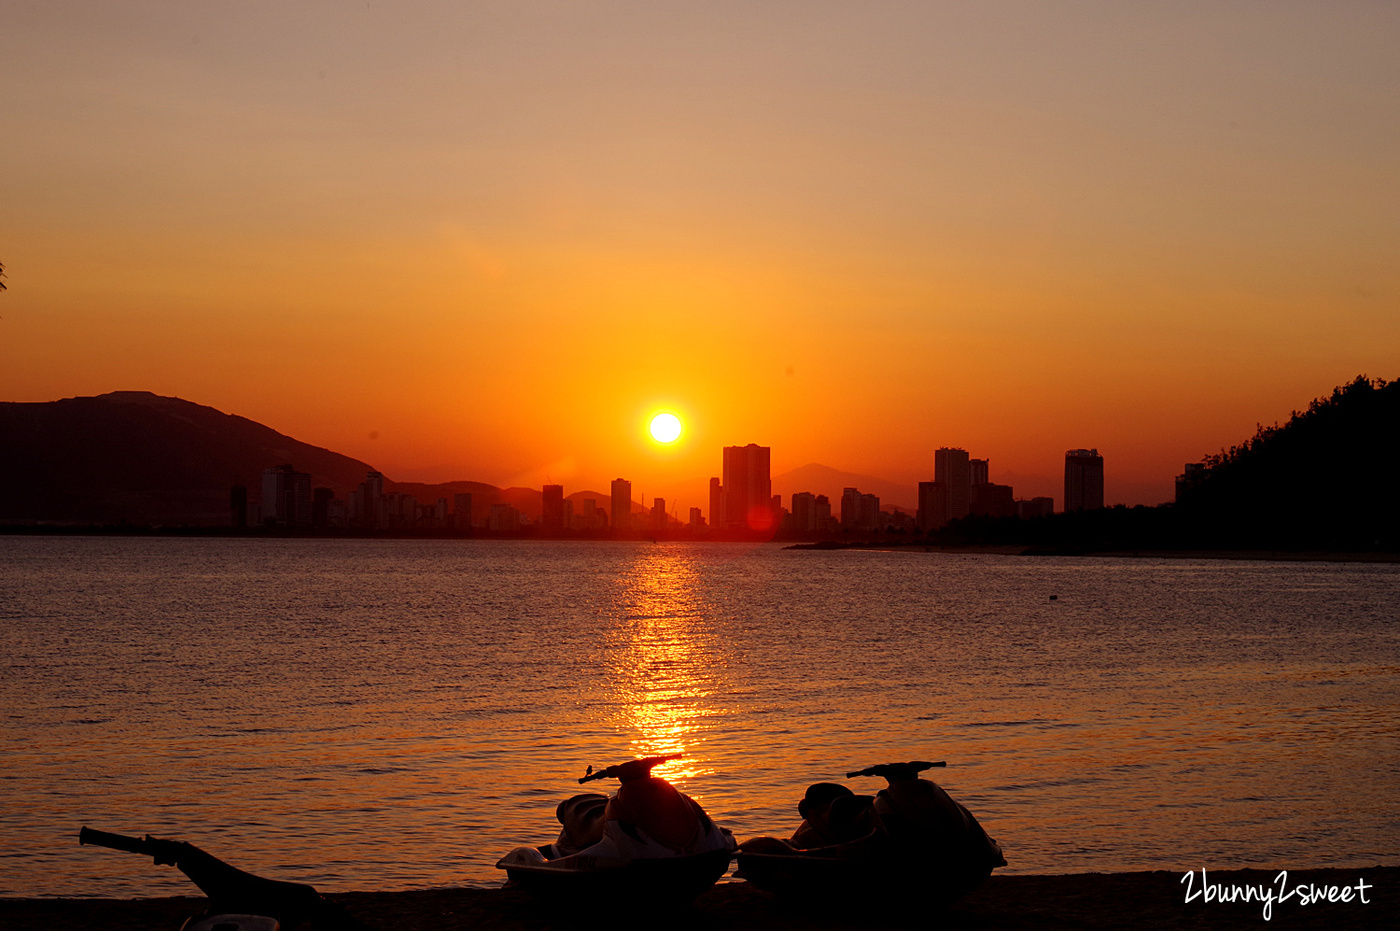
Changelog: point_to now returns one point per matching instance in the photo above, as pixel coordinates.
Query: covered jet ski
(909, 846)
(649, 845)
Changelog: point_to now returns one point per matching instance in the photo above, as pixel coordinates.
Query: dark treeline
(1327, 480)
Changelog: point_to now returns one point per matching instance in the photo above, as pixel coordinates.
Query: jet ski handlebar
(894, 771)
(632, 769)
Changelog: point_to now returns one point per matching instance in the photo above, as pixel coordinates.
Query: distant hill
(142, 458)
(137, 456)
(824, 480)
(1330, 477)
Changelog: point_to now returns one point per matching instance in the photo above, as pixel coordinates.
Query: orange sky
(486, 241)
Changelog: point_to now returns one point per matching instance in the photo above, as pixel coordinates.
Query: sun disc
(665, 428)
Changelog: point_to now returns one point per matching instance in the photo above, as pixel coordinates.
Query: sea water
(391, 714)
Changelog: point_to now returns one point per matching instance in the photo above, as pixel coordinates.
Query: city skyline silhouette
(489, 244)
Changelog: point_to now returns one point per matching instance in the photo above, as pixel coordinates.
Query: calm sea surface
(398, 714)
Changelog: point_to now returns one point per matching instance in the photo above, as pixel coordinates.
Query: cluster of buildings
(961, 488)
(741, 502)
(288, 500)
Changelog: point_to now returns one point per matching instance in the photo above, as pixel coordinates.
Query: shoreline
(1145, 901)
(879, 546)
(1030, 551)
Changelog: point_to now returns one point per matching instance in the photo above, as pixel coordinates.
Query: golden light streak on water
(663, 675)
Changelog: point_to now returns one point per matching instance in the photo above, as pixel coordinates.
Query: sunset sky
(488, 240)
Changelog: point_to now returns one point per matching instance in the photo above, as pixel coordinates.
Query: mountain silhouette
(824, 480)
(144, 458)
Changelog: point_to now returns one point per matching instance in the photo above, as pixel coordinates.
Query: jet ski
(648, 845)
(910, 846)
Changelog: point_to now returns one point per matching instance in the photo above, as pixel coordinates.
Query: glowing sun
(665, 428)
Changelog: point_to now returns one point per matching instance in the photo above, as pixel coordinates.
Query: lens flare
(665, 428)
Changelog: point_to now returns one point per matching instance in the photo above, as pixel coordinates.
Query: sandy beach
(1142, 901)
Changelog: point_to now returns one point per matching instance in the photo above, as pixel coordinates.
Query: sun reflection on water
(663, 663)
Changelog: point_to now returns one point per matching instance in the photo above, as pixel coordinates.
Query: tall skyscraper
(716, 504)
(286, 497)
(621, 504)
(748, 490)
(804, 512)
(503, 519)
(858, 511)
(552, 508)
(850, 508)
(953, 468)
(367, 502)
(869, 518)
(1083, 480)
(593, 517)
(977, 471)
(949, 496)
(462, 510)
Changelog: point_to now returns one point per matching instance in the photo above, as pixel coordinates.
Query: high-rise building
(552, 508)
(697, 519)
(716, 504)
(748, 490)
(804, 512)
(930, 494)
(286, 497)
(337, 514)
(858, 511)
(658, 515)
(621, 504)
(1083, 480)
(397, 511)
(462, 510)
(953, 468)
(992, 500)
(367, 502)
(869, 512)
(503, 519)
(850, 508)
(949, 496)
(593, 516)
(976, 471)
